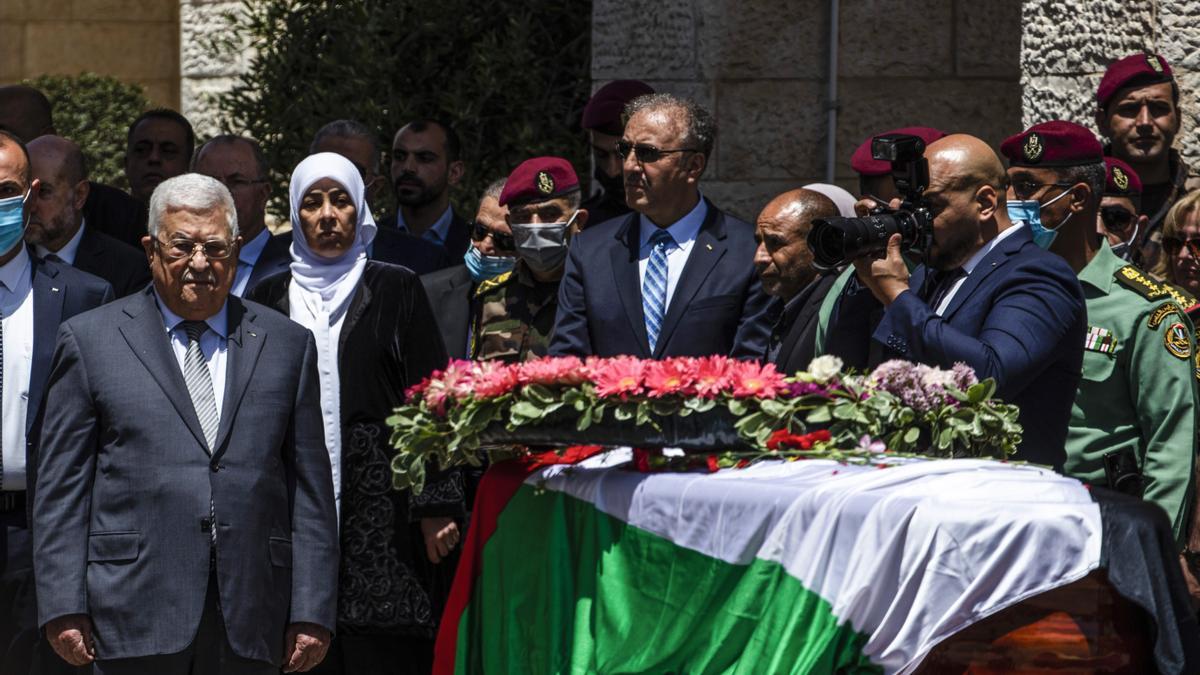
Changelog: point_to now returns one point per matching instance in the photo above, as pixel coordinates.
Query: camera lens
(836, 241)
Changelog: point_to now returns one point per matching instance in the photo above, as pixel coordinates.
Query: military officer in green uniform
(517, 308)
(1133, 424)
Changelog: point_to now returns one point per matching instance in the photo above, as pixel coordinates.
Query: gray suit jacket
(125, 477)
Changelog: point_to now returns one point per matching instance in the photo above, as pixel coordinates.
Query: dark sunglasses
(1025, 188)
(503, 242)
(1117, 219)
(646, 154)
(1172, 246)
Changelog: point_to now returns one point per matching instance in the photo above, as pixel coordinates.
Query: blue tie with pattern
(654, 286)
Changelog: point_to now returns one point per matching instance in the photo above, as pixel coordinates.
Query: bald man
(986, 295)
(58, 228)
(784, 265)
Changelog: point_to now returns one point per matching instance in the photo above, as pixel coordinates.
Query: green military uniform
(826, 310)
(516, 317)
(1138, 389)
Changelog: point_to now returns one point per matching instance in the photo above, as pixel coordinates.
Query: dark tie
(200, 387)
(941, 281)
(53, 257)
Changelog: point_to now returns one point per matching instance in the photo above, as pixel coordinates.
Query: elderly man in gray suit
(183, 515)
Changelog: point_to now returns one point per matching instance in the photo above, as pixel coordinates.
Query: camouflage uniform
(516, 317)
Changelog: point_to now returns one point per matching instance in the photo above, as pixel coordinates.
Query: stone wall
(1067, 45)
(201, 72)
(761, 67)
(134, 40)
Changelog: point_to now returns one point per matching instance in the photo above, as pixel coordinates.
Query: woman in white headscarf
(376, 336)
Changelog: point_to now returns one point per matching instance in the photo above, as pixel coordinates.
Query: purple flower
(797, 389)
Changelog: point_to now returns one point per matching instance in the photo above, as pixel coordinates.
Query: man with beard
(356, 142)
(1138, 112)
(604, 120)
(987, 296)
(426, 163)
(57, 227)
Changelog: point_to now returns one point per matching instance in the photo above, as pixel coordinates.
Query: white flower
(824, 368)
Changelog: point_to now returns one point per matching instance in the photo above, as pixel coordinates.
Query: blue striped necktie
(654, 286)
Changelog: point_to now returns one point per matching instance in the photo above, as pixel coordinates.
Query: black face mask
(614, 186)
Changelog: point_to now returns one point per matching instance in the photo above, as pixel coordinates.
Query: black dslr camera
(836, 241)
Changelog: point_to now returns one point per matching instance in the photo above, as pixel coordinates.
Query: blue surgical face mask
(483, 267)
(12, 222)
(1030, 211)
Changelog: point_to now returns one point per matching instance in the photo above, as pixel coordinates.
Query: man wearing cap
(517, 308)
(603, 118)
(1133, 422)
(1120, 219)
(1138, 112)
(674, 278)
(986, 296)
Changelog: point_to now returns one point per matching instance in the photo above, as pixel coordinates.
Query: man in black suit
(784, 264)
(676, 277)
(57, 226)
(238, 162)
(357, 143)
(35, 296)
(426, 163)
(452, 291)
(184, 519)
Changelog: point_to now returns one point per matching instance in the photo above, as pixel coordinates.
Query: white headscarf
(843, 200)
(329, 283)
(322, 287)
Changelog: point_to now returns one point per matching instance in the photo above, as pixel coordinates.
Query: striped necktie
(200, 388)
(654, 286)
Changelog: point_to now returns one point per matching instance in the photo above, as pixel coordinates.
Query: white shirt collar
(683, 230)
(218, 322)
(251, 250)
(14, 271)
(69, 250)
(974, 260)
(440, 228)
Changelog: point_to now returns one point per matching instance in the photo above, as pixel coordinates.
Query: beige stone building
(795, 84)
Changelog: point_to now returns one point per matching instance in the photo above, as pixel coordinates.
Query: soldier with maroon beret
(1137, 330)
(517, 308)
(604, 120)
(1120, 208)
(1137, 111)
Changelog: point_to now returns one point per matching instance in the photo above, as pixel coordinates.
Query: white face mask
(543, 246)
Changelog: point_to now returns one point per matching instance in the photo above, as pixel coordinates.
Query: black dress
(389, 595)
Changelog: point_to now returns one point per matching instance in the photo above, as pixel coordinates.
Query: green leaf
(911, 435)
(736, 407)
(819, 416)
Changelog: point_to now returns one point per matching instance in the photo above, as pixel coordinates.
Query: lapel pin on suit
(54, 289)
(708, 246)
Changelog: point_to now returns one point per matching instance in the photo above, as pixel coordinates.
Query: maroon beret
(539, 179)
(1050, 144)
(865, 165)
(1135, 69)
(1122, 180)
(603, 111)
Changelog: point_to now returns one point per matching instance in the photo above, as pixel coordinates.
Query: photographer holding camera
(986, 295)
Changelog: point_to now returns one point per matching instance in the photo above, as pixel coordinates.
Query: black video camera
(834, 242)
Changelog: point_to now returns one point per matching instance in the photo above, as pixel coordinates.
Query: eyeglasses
(1116, 218)
(1172, 246)
(1025, 188)
(646, 154)
(178, 249)
(504, 242)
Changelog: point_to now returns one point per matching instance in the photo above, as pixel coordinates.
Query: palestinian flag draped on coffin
(783, 567)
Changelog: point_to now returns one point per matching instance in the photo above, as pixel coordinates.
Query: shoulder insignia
(1162, 312)
(495, 282)
(1139, 282)
(1197, 364)
(1179, 295)
(1178, 341)
(1100, 340)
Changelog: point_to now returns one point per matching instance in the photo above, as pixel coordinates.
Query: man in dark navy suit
(987, 296)
(676, 277)
(57, 227)
(35, 296)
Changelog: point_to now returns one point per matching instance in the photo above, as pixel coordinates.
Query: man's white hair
(191, 192)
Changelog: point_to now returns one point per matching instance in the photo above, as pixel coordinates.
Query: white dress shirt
(16, 305)
(438, 232)
(248, 256)
(969, 266)
(69, 250)
(213, 345)
(684, 232)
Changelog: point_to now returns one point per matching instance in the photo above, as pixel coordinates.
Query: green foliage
(511, 75)
(95, 112)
